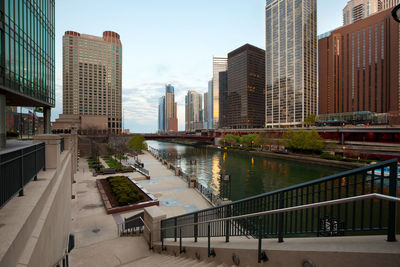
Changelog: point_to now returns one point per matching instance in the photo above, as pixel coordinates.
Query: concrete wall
(34, 229)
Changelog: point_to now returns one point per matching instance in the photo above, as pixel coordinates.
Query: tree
(137, 143)
(310, 120)
(263, 139)
(231, 139)
(248, 139)
(304, 141)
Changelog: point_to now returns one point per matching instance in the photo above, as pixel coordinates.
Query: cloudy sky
(169, 41)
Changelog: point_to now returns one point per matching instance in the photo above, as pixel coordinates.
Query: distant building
(92, 76)
(291, 62)
(167, 111)
(28, 62)
(223, 98)
(244, 101)
(205, 111)
(161, 116)
(356, 10)
(359, 67)
(210, 124)
(193, 111)
(219, 64)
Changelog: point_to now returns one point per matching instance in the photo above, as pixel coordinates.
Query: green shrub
(124, 191)
(329, 156)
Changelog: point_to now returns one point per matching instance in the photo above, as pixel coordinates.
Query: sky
(169, 41)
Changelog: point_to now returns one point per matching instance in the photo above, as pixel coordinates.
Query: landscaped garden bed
(121, 193)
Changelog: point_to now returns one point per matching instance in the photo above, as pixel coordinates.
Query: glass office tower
(291, 62)
(27, 57)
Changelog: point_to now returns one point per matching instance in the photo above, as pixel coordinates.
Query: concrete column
(46, 120)
(193, 182)
(52, 142)
(152, 218)
(2, 121)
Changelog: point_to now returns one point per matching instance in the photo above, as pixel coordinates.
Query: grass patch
(119, 157)
(112, 163)
(124, 191)
(94, 164)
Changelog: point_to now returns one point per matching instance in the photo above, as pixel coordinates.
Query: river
(249, 175)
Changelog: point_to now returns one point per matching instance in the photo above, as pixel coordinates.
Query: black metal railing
(359, 217)
(18, 168)
(62, 145)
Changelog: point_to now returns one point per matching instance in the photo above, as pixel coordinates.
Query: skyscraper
(161, 114)
(359, 67)
(193, 111)
(28, 64)
(244, 106)
(92, 81)
(205, 111)
(210, 105)
(291, 62)
(219, 64)
(356, 10)
(171, 119)
(223, 98)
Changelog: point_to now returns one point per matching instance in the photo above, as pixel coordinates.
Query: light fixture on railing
(396, 13)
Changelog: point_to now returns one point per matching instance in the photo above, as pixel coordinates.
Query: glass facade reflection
(27, 52)
(291, 61)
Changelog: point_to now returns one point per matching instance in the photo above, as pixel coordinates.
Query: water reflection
(249, 175)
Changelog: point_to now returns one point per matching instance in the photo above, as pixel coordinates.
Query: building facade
(223, 98)
(359, 67)
(193, 111)
(219, 64)
(356, 10)
(244, 106)
(291, 62)
(171, 118)
(28, 62)
(161, 116)
(92, 76)
(205, 111)
(210, 111)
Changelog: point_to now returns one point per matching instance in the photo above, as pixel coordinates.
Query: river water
(249, 175)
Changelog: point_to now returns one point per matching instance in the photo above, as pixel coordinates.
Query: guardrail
(260, 216)
(18, 168)
(132, 224)
(365, 216)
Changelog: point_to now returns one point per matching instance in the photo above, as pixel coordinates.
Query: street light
(396, 13)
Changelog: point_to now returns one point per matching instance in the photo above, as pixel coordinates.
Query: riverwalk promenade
(96, 239)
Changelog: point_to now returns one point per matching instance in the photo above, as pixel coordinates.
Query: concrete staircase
(161, 260)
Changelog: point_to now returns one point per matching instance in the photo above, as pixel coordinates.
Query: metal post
(227, 224)
(3, 134)
(209, 240)
(175, 230)
(280, 220)
(196, 226)
(21, 191)
(259, 238)
(391, 236)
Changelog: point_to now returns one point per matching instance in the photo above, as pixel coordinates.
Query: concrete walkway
(96, 238)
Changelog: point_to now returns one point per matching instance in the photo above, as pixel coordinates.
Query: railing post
(259, 238)
(175, 230)
(227, 223)
(391, 235)
(280, 219)
(196, 226)
(21, 191)
(180, 239)
(208, 240)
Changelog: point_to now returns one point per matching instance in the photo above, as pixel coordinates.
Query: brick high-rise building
(359, 67)
(171, 110)
(291, 62)
(356, 10)
(92, 76)
(245, 104)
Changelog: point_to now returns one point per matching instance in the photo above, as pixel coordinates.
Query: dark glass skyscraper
(245, 104)
(27, 55)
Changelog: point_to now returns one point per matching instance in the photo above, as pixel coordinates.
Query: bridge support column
(342, 138)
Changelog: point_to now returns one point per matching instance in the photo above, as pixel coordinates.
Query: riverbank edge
(294, 157)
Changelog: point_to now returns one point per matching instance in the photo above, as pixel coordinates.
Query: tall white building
(359, 9)
(291, 62)
(193, 111)
(219, 64)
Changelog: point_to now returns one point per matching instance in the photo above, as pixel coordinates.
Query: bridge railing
(361, 217)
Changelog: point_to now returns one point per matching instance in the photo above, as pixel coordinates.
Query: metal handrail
(144, 224)
(306, 206)
(261, 255)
